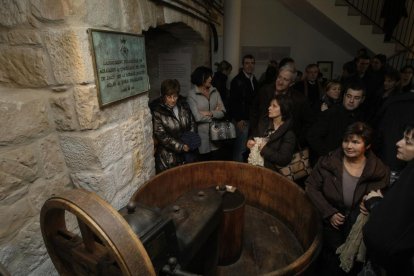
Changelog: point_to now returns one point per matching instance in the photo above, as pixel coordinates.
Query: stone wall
(53, 134)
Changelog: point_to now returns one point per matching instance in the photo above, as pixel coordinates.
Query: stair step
(341, 3)
(376, 30)
(365, 21)
(353, 12)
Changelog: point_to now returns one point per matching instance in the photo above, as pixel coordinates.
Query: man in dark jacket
(242, 91)
(327, 132)
(311, 87)
(389, 232)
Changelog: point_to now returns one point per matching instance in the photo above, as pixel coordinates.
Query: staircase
(352, 25)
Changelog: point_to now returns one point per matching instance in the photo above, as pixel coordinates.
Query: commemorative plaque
(119, 64)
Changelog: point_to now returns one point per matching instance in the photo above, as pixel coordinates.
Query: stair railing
(403, 34)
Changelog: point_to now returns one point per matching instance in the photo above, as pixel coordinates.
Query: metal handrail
(403, 34)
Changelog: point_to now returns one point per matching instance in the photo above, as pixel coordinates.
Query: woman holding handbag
(336, 187)
(275, 140)
(205, 104)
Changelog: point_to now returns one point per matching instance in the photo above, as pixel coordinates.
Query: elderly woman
(279, 141)
(205, 104)
(337, 185)
(171, 119)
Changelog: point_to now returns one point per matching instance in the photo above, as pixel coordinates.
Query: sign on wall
(120, 65)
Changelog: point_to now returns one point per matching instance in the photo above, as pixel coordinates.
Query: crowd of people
(351, 127)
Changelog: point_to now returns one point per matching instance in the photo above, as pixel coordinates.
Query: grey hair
(287, 67)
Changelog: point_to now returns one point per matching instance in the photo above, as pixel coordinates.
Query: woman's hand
(262, 144)
(337, 220)
(219, 107)
(324, 107)
(372, 198)
(206, 113)
(373, 193)
(362, 207)
(241, 125)
(250, 143)
(186, 148)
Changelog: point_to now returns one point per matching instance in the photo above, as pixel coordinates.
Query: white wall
(268, 23)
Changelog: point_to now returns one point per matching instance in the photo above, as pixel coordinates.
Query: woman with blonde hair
(332, 95)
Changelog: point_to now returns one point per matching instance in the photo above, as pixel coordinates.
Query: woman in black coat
(279, 141)
(171, 119)
(389, 232)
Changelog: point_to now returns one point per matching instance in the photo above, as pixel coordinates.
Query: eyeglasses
(174, 97)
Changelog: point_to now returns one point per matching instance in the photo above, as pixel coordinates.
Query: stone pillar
(232, 15)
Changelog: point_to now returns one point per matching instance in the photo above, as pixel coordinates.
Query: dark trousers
(328, 261)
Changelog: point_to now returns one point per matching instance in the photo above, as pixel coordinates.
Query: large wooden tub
(263, 189)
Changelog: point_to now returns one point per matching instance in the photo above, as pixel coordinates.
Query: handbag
(192, 139)
(299, 167)
(222, 130)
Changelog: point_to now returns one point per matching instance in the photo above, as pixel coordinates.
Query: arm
(198, 116)
(163, 137)
(219, 111)
(314, 185)
(283, 154)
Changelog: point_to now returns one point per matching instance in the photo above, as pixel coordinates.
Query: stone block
(132, 133)
(48, 10)
(13, 12)
(24, 37)
(122, 197)
(13, 216)
(51, 158)
(42, 189)
(91, 150)
(63, 110)
(69, 55)
(10, 184)
(23, 116)
(24, 66)
(91, 116)
(132, 15)
(87, 107)
(26, 252)
(18, 165)
(124, 171)
(106, 14)
(119, 111)
(46, 268)
(100, 182)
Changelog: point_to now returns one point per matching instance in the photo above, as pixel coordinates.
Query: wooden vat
(262, 188)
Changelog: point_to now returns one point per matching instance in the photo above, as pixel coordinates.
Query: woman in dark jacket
(171, 119)
(389, 232)
(337, 185)
(279, 141)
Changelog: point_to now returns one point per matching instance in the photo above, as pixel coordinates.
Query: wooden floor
(268, 245)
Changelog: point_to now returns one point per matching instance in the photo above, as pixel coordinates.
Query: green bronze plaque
(120, 65)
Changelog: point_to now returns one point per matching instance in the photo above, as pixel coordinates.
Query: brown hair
(170, 87)
(360, 129)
